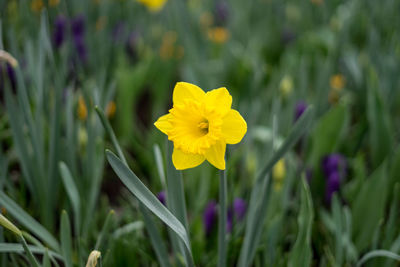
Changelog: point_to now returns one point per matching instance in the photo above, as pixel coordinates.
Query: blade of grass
(27, 221)
(378, 253)
(66, 242)
(105, 229)
(18, 248)
(222, 219)
(133, 183)
(72, 192)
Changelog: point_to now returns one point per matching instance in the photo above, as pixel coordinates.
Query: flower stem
(222, 220)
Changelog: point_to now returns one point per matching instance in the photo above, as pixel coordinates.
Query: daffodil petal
(234, 127)
(220, 99)
(183, 91)
(216, 155)
(163, 124)
(183, 160)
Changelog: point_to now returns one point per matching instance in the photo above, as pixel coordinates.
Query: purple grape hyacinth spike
(210, 217)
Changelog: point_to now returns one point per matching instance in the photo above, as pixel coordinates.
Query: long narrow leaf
(26, 220)
(66, 240)
(144, 195)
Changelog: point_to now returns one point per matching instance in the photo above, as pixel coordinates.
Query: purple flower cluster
(221, 13)
(236, 212)
(78, 34)
(334, 167)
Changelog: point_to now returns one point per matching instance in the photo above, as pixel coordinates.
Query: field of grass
(310, 175)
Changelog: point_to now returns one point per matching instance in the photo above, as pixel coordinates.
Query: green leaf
(66, 240)
(105, 229)
(144, 195)
(380, 135)
(368, 207)
(18, 248)
(378, 253)
(27, 221)
(327, 133)
(301, 253)
(72, 191)
(155, 236)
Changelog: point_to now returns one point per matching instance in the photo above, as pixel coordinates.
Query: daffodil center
(203, 126)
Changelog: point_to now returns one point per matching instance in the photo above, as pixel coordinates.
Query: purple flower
(162, 196)
(221, 13)
(80, 48)
(332, 186)
(229, 220)
(301, 106)
(59, 31)
(334, 163)
(11, 77)
(239, 208)
(210, 216)
(78, 26)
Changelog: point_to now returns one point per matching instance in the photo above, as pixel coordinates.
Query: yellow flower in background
(279, 173)
(110, 109)
(101, 23)
(206, 19)
(200, 125)
(286, 86)
(153, 5)
(337, 82)
(82, 110)
(218, 35)
(53, 3)
(37, 5)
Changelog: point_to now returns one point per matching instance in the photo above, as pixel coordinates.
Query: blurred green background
(275, 57)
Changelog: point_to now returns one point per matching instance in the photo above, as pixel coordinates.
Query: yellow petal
(185, 90)
(216, 155)
(219, 98)
(163, 124)
(183, 160)
(234, 127)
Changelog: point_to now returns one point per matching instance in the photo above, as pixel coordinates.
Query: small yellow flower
(278, 174)
(54, 3)
(337, 82)
(279, 170)
(286, 86)
(167, 48)
(82, 110)
(200, 125)
(110, 109)
(37, 5)
(153, 5)
(218, 35)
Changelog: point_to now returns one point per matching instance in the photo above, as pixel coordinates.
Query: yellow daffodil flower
(153, 5)
(200, 125)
